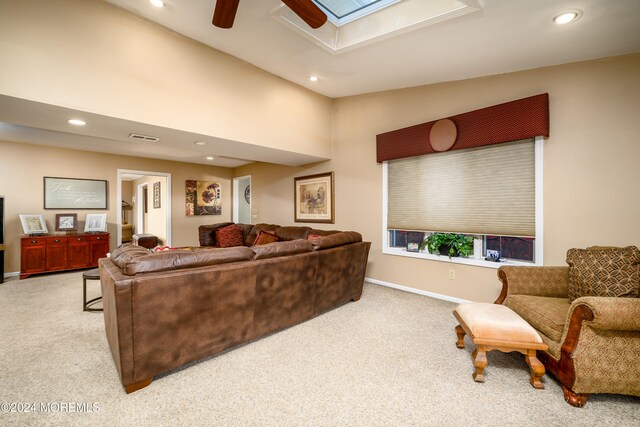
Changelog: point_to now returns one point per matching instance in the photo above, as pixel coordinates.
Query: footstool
(497, 327)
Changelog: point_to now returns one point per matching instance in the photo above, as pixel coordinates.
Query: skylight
(342, 11)
(367, 21)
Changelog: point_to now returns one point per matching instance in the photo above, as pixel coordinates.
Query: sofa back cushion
(337, 239)
(292, 233)
(183, 258)
(229, 236)
(272, 250)
(604, 272)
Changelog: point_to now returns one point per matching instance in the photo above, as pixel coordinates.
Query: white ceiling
(502, 36)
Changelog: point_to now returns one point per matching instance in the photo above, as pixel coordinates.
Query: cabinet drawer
(56, 241)
(99, 238)
(75, 239)
(34, 241)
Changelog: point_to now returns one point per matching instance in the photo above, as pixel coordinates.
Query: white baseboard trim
(416, 291)
(13, 274)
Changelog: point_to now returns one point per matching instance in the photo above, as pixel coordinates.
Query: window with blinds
(486, 192)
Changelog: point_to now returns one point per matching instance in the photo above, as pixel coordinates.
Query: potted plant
(451, 244)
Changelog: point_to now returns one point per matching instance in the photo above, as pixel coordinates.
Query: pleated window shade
(487, 190)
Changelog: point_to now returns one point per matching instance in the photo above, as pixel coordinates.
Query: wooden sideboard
(49, 253)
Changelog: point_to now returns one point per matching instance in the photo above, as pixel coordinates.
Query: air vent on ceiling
(147, 138)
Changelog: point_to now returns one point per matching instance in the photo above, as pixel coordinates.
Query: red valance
(511, 121)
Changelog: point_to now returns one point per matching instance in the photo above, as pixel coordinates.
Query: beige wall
(22, 167)
(155, 219)
(92, 56)
(590, 165)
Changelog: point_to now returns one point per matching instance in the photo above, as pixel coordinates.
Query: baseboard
(13, 274)
(416, 291)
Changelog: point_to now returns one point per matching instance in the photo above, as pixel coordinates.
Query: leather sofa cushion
(272, 250)
(547, 315)
(125, 253)
(337, 239)
(603, 272)
(181, 259)
(292, 233)
(229, 236)
(320, 233)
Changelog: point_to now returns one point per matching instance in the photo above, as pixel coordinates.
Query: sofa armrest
(611, 313)
(538, 281)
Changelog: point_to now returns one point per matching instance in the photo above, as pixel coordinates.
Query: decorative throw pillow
(229, 236)
(604, 272)
(265, 237)
(313, 236)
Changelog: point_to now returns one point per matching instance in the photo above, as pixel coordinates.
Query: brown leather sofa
(164, 310)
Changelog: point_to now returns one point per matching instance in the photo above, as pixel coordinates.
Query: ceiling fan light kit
(225, 12)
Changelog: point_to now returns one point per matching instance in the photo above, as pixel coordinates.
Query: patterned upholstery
(603, 356)
(229, 236)
(603, 272)
(547, 315)
(265, 237)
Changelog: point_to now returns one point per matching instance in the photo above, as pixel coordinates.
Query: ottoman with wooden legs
(497, 327)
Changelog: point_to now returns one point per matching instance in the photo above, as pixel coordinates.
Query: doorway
(242, 199)
(149, 211)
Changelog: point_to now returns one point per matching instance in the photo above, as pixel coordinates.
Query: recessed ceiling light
(200, 143)
(209, 157)
(157, 3)
(566, 17)
(313, 78)
(76, 122)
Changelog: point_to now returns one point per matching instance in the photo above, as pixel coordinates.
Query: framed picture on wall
(66, 222)
(156, 195)
(33, 224)
(314, 198)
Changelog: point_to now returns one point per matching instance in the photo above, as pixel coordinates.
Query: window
(492, 193)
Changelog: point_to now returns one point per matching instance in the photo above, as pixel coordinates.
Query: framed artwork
(74, 193)
(156, 195)
(95, 223)
(33, 224)
(413, 247)
(203, 198)
(314, 198)
(66, 222)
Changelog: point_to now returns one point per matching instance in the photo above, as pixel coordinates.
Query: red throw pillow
(228, 236)
(313, 236)
(265, 237)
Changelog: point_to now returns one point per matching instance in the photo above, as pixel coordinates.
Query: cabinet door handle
(79, 239)
(98, 238)
(34, 241)
(56, 241)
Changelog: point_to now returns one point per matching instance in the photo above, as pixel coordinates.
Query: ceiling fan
(225, 12)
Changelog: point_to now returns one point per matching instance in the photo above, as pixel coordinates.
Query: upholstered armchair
(594, 341)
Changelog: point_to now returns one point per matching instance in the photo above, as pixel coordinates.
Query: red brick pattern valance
(511, 121)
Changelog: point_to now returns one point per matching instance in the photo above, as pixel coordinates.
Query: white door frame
(236, 197)
(166, 194)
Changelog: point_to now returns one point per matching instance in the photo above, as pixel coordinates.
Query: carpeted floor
(388, 360)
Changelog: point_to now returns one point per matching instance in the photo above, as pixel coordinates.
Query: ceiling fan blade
(225, 13)
(308, 11)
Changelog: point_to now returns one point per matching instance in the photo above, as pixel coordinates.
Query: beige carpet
(388, 360)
